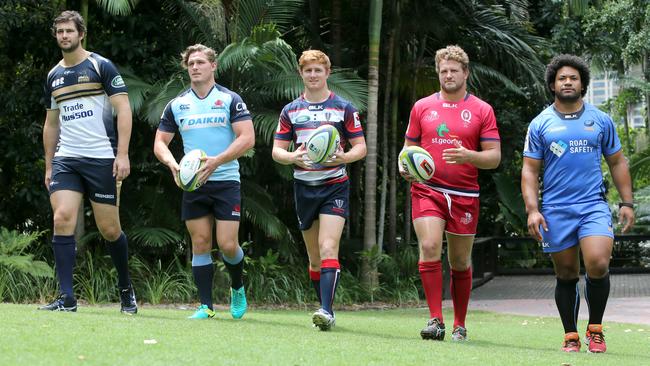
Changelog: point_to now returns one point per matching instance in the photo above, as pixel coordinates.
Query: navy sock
(567, 299)
(596, 294)
(329, 280)
(119, 250)
(314, 276)
(235, 266)
(65, 251)
(203, 272)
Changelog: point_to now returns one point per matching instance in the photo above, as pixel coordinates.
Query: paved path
(629, 300)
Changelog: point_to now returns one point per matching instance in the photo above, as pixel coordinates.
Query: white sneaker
(323, 320)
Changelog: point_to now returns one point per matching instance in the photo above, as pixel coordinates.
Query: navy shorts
(91, 176)
(567, 224)
(221, 199)
(329, 199)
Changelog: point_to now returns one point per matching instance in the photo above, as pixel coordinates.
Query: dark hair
(70, 16)
(573, 61)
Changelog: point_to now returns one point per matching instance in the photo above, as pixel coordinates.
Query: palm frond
(138, 89)
(167, 91)
(251, 13)
(155, 237)
(260, 210)
(117, 7)
(205, 21)
(640, 164)
(266, 123)
(482, 75)
(347, 84)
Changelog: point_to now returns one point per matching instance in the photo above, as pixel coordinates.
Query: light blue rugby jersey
(206, 124)
(571, 146)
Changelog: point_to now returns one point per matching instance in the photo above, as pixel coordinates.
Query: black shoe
(64, 302)
(434, 330)
(127, 300)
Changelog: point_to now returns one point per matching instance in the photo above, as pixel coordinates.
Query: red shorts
(459, 212)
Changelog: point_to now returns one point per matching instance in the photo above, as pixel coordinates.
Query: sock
(65, 251)
(596, 294)
(203, 271)
(431, 275)
(330, 272)
(119, 250)
(567, 299)
(315, 281)
(235, 266)
(461, 288)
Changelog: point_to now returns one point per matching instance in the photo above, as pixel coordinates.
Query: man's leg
(596, 252)
(329, 235)
(567, 296)
(459, 249)
(233, 258)
(200, 230)
(108, 223)
(310, 236)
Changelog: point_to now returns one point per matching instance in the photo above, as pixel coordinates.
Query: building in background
(605, 85)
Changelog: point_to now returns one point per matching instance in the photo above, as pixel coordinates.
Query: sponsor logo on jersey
(558, 147)
(580, 146)
(545, 244)
(236, 211)
(74, 112)
(184, 107)
(105, 195)
(58, 82)
(466, 116)
(317, 107)
(83, 79)
(467, 218)
(203, 122)
(449, 105)
(117, 82)
(241, 107)
(442, 129)
(431, 116)
(570, 116)
(357, 120)
(556, 129)
(218, 104)
(302, 119)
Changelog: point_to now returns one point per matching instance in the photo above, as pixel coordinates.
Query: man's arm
(488, 158)
(357, 151)
(51, 131)
(122, 166)
(623, 182)
(244, 140)
(282, 155)
(529, 188)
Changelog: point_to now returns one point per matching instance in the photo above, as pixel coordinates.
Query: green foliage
(511, 204)
(13, 246)
(156, 284)
(95, 279)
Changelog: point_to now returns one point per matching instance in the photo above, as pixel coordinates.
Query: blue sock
(119, 250)
(235, 266)
(203, 271)
(329, 280)
(65, 251)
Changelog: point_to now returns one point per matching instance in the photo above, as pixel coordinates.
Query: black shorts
(221, 199)
(329, 199)
(91, 176)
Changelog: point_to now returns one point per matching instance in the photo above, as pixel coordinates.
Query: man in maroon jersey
(460, 132)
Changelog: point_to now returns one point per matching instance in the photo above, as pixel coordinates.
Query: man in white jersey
(321, 191)
(214, 119)
(569, 138)
(85, 152)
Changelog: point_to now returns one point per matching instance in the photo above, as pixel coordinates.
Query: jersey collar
(569, 116)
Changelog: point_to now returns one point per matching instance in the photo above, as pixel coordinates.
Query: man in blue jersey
(85, 152)
(214, 119)
(568, 139)
(321, 191)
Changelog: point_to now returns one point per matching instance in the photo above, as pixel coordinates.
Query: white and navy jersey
(206, 124)
(300, 118)
(81, 94)
(571, 146)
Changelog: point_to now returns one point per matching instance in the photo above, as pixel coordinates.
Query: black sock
(567, 299)
(235, 268)
(203, 276)
(119, 250)
(65, 252)
(596, 294)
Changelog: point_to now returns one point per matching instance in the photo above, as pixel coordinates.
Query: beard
(568, 98)
(71, 48)
(451, 89)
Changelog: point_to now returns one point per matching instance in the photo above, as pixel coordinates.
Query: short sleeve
(413, 131)
(352, 122)
(111, 79)
(489, 130)
(610, 141)
(167, 120)
(285, 127)
(238, 109)
(533, 146)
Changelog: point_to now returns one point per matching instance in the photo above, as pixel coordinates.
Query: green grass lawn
(163, 336)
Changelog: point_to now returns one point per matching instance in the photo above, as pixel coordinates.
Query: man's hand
(299, 157)
(535, 220)
(121, 167)
(626, 216)
(457, 155)
(404, 173)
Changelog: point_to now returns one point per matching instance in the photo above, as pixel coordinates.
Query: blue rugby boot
(238, 303)
(202, 312)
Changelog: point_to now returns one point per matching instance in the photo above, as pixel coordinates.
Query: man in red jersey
(460, 132)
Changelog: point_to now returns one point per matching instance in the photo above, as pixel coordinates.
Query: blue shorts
(91, 176)
(567, 224)
(328, 199)
(222, 199)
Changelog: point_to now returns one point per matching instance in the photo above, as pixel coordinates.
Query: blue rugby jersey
(81, 94)
(206, 124)
(571, 146)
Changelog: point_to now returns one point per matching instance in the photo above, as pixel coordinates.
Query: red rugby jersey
(434, 124)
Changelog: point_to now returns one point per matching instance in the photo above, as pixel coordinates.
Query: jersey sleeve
(413, 130)
(489, 130)
(352, 123)
(533, 146)
(111, 78)
(610, 142)
(285, 127)
(47, 99)
(167, 120)
(238, 109)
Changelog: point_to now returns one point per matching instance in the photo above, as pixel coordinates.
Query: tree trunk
(336, 32)
(369, 266)
(392, 141)
(314, 17)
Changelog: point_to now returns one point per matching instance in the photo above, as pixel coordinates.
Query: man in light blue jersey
(225, 132)
(568, 138)
(85, 152)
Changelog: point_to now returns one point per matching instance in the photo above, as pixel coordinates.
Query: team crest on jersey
(466, 116)
(431, 116)
(328, 116)
(467, 218)
(589, 125)
(236, 210)
(83, 78)
(558, 148)
(218, 104)
(338, 206)
(357, 120)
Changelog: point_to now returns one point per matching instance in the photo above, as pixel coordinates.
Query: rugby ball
(417, 162)
(322, 143)
(189, 165)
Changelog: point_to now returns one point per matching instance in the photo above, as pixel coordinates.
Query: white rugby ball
(189, 165)
(322, 143)
(417, 162)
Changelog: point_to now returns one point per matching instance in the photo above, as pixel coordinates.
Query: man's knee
(110, 232)
(597, 267)
(64, 221)
(430, 248)
(460, 263)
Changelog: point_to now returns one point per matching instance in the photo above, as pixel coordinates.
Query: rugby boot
(238, 303)
(128, 304)
(63, 302)
(595, 339)
(435, 330)
(459, 334)
(202, 312)
(571, 342)
(323, 320)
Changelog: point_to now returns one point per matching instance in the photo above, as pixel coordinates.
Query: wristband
(626, 204)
